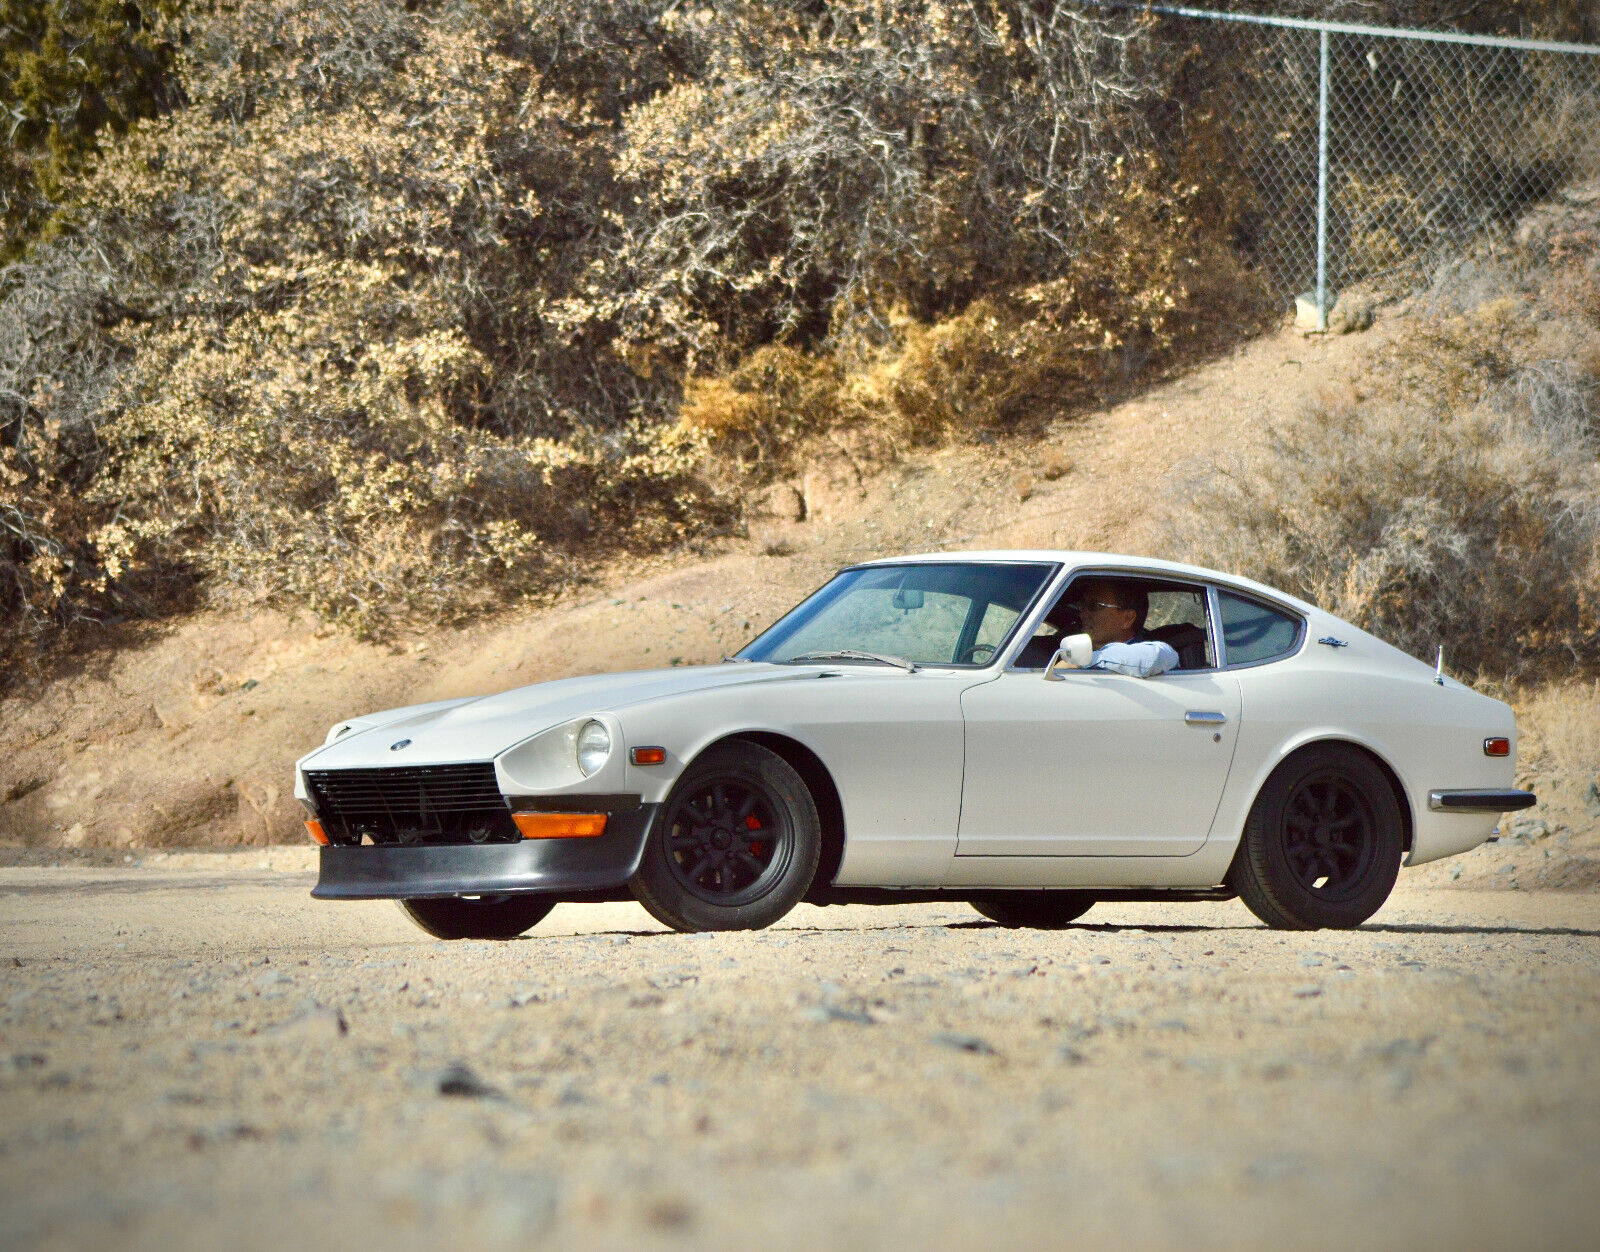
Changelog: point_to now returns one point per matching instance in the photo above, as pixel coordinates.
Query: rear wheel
(1322, 844)
(481, 917)
(734, 847)
(1035, 910)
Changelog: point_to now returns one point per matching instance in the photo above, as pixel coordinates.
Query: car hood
(478, 730)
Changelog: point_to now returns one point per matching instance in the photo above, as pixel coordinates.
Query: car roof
(1111, 560)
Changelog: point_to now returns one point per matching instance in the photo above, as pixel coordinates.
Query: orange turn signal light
(647, 756)
(1497, 747)
(317, 833)
(560, 825)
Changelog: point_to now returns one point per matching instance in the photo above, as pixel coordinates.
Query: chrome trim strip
(1219, 648)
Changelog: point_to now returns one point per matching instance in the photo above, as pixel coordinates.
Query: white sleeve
(1137, 660)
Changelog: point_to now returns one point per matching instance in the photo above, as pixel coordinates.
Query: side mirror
(1075, 652)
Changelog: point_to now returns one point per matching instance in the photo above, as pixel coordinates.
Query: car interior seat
(1188, 640)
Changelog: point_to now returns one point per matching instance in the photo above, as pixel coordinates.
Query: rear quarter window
(1252, 632)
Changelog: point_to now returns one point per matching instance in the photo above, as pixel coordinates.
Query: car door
(1097, 764)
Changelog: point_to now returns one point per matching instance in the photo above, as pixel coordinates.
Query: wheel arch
(1401, 799)
(818, 780)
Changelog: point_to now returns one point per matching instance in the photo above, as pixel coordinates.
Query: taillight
(1497, 747)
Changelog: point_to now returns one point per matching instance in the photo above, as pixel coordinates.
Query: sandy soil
(196, 1054)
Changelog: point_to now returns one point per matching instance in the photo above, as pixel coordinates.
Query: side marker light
(317, 833)
(1497, 747)
(647, 756)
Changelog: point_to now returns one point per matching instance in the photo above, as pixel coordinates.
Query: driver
(1113, 614)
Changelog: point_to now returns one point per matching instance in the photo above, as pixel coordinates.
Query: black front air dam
(557, 866)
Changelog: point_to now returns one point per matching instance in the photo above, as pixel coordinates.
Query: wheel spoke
(749, 858)
(748, 807)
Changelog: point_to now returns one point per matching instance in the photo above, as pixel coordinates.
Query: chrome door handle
(1195, 717)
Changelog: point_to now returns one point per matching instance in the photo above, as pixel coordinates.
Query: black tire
(1035, 910)
(735, 846)
(486, 917)
(1322, 844)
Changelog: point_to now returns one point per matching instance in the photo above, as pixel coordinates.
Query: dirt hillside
(188, 737)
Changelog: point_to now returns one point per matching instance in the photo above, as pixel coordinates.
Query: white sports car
(931, 728)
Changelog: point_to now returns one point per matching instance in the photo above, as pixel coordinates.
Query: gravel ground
(197, 1054)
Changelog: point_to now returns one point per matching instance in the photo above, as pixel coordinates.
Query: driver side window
(1177, 615)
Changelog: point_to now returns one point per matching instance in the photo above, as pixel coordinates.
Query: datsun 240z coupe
(919, 729)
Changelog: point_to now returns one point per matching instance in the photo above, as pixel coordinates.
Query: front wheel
(734, 847)
(1035, 910)
(483, 917)
(1322, 844)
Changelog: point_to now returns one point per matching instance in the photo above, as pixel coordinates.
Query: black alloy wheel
(1327, 835)
(478, 917)
(1323, 842)
(728, 842)
(734, 847)
(1035, 910)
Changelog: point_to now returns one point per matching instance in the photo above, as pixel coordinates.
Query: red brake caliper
(753, 823)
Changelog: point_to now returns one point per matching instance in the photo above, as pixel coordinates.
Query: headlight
(594, 746)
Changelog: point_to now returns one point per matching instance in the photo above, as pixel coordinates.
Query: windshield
(959, 613)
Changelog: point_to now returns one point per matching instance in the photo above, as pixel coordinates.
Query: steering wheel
(971, 654)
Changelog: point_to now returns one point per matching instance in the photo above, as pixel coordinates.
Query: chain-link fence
(1367, 149)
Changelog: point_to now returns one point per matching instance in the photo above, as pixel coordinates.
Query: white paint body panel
(892, 742)
(1116, 791)
(1097, 764)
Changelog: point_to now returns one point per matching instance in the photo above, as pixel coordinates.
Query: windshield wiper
(851, 654)
(729, 658)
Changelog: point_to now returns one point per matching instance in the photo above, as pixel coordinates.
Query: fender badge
(1332, 642)
(395, 747)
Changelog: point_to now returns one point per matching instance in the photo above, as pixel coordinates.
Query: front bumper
(555, 866)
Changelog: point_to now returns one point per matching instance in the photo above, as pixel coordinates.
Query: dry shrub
(394, 312)
(1150, 276)
(294, 341)
(826, 163)
(1459, 504)
(755, 414)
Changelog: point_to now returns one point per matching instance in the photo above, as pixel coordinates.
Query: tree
(69, 71)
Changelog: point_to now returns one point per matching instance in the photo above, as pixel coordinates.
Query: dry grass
(1560, 741)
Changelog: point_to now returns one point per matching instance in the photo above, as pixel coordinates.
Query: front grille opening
(412, 805)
